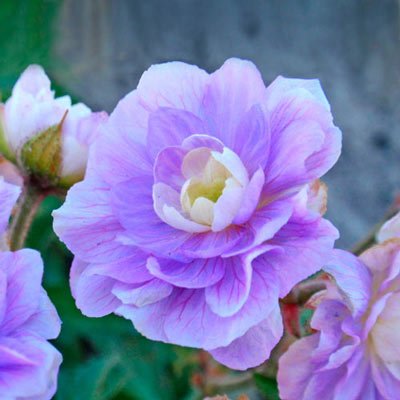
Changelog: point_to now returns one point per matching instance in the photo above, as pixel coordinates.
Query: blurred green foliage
(104, 358)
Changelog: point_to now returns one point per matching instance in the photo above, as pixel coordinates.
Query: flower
(47, 136)
(355, 352)
(192, 219)
(29, 364)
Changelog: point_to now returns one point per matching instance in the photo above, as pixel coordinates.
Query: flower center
(209, 190)
(206, 181)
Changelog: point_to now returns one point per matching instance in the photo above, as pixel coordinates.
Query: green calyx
(41, 155)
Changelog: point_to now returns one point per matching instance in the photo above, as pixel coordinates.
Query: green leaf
(99, 379)
(267, 386)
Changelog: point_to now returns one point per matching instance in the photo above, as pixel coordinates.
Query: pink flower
(355, 352)
(46, 136)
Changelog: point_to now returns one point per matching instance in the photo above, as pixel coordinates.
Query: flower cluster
(199, 209)
(355, 353)
(28, 363)
(46, 136)
(194, 209)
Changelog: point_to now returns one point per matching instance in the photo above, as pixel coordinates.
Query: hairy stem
(26, 209)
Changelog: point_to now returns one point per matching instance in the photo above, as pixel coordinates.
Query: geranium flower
(28, 363)
(47, 137)
(355, 352)
(192, 220)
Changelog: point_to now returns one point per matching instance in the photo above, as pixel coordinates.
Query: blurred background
(96, 51)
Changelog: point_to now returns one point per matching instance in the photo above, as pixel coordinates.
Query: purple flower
(192, 220)
(28, 363)
(355, 353)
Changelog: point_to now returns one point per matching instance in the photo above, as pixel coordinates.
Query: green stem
(26, 209)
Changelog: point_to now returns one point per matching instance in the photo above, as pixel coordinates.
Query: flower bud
(47, 137)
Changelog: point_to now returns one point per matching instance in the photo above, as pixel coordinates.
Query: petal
(252, 140)
(169, 127)
(281, 86)
(196, 141)
(29, 368)
(24, 270)
(8, 196)
(263, 225)
(232, 91)
(93, 293)
(233, 164)
(383, 260)
(306, 243)
(80, 129)
(302, 132)
(166, 205)
(353, 279)
(175, 85)
(251, 197)
(131, 269)
(33, 81)
(198, 273)
(387, 381)
(132, 204)
(286, 168)
(45, 321)
(147, 293)
(87, 225)
(9, 171)
(167, 167)
(357, 374)
(117, 155)
(384, 334)
(227, 206)
(185, 319)
(254, 347)
(227, 296)
(296, 368)
(390, 229)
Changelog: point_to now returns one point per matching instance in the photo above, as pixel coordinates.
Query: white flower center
(210, 177)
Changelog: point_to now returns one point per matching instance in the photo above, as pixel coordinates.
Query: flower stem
(27, 206)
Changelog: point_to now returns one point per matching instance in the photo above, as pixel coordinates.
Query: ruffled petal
(133, 205)
(184, 317)
(304, 244)
(254, 347)
(231, 92)
(263, 225)
(24, 270)
(253, 139)
(353, 279)
(198, 273)
(169, 127)
(29, 367)
(87, 225)
(141, 295)
(296, 368)
(250, 198)
(93, 292)
(302, 133)
(227, 297)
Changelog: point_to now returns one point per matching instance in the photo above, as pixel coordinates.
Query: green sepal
(41, 155)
